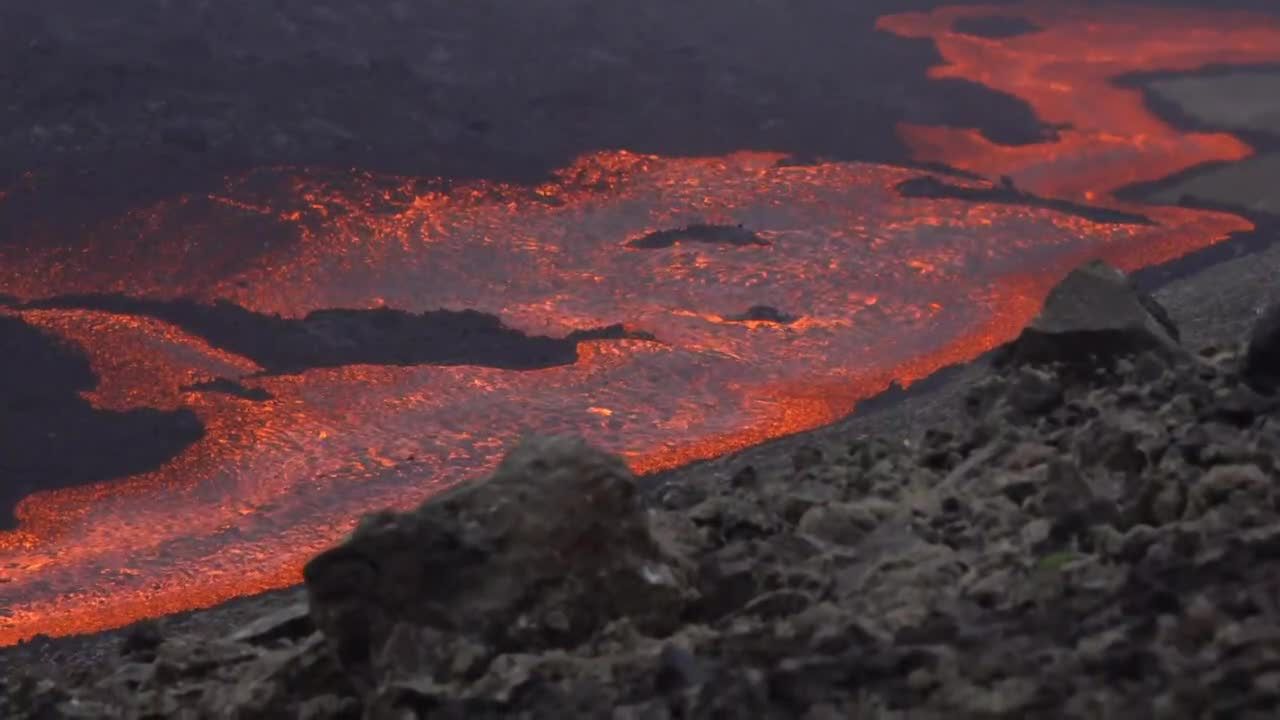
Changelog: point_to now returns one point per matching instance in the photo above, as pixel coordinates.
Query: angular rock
(540, 554)
(1094, 314)
(838, 523)
(1261, 367)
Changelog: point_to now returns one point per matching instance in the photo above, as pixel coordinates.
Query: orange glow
(881, 288)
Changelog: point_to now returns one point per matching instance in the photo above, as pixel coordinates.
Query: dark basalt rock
(1081, 544)
(763, 313)
(228, 386)
(1094, 316)
(541, 554)
(52, 437)
(336, 337)
(995, 26)
(1262, 356)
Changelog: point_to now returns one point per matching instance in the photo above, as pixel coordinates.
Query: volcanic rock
(1262, 358)
(1095, 314)
(540, 555)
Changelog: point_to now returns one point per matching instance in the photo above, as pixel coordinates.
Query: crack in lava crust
(881, 287)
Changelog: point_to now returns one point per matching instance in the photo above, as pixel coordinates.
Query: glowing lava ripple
(884, 287)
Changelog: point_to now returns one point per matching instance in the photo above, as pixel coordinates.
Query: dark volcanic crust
(335, 337)
(52, 437)
(1119, 527)
(1211, 306)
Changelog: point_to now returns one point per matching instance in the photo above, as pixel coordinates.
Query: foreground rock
(540, 555)
(1082, 545)
(1094, 314)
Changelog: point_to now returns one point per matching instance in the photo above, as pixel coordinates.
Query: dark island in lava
(1105, 496)
(393, 359)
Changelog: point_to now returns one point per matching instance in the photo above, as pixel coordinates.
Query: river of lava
(882, 287)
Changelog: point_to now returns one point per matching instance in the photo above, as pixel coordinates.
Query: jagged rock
(1262, 357)
(288, 623)
(1083, 544)
(1094, 314)
(541, 554)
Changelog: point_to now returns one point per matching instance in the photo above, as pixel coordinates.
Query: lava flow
(876, 286)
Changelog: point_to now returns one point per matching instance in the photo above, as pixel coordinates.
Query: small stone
(142, 640)
(680, 495)
(1034, 392)
(188, 137)
(838, 523)
(745, 477)
(557, 531)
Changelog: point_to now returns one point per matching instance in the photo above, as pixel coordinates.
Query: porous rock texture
(1093, 314)
(1081, 545)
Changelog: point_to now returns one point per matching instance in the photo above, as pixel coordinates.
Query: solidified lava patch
(699, 233)
(882, 287)
(51, 436)
(332, 338)
(1005, 192)
(763, 313)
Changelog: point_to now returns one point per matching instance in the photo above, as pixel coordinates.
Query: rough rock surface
(1081, 545)
(539, 555)
(1262, 357)
(1093, 314)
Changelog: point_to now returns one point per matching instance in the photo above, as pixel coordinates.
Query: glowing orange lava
(883, 287)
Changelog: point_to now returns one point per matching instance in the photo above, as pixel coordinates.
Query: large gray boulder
(541, 554)
(1093, 315)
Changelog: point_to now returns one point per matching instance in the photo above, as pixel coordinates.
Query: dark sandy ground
(108, 105)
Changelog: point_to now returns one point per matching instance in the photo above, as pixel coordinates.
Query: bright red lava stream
(885, 287)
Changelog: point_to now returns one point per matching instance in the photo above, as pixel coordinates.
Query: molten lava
(879, 286)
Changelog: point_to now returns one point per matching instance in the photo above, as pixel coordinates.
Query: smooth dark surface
(52, 437)
(330, 338)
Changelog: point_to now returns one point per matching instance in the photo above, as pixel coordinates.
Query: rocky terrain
(1097, 535)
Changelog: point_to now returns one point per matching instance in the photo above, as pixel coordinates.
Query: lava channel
(872, 286)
